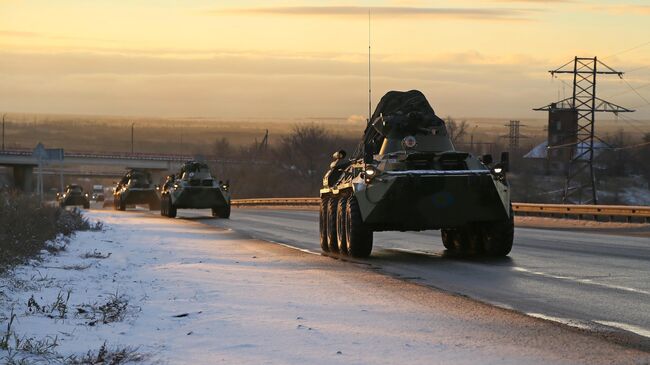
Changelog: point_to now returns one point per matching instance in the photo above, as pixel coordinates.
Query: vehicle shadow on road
(402, 256)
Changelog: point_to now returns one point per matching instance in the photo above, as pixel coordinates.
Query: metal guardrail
(555, 210)
(580, 211)
(276, 202)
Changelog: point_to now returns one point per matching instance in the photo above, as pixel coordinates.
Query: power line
(627, 91)
(635, 90)
(629, 120)
(627, 50)
(630, 147)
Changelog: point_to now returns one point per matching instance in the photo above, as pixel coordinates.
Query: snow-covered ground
(179, 292)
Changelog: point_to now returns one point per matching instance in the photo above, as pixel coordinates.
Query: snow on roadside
(179, 292)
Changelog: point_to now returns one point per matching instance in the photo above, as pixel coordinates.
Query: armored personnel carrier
(195, 188)
(73, 195)
(406, 175)
(136, 187)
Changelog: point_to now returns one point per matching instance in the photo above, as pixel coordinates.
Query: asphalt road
(595, 281)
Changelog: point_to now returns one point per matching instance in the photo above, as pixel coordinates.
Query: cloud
(387, 11)
(14, 33)
(625, 9)
(535, 1)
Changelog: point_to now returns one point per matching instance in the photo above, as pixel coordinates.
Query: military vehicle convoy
(136, 187)
(407, 176)
(195, 188)
(73, 195)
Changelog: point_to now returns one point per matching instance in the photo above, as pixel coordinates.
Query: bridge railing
(127, 156)
(610, 212)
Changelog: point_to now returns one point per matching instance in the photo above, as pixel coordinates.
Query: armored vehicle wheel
(498, 238)
(163, 206)
(457, 240)
(341, 237)
(359, 237)
(170, 209)
(331, 224)
(226, 212)
(447, 239)
(223, 212)
(122, 204)
(322, 221)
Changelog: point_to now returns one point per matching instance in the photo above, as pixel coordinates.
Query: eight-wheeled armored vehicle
(136, 187)
(195, 188)
(98, 193)
(406, 175)
(73, 195)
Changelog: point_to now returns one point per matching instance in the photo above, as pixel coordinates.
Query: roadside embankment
(151, 289)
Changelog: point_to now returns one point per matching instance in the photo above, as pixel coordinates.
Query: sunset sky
(292, 59)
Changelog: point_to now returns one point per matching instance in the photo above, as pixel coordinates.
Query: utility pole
(132, 125)
(369, 74)
(471, 138)
(580, 180)
(3, 131)
(181, 139)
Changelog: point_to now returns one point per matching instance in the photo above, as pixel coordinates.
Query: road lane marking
(627, 327)
(580, 281)
(295, 248)
(565, 321)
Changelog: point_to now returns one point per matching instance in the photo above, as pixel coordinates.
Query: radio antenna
(369, 74)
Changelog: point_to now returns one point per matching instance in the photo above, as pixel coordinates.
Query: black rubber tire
(322, 221)
(171, 209)
(447, 236)
(122, 204)
(223, 212)
(341, 235)
(163, 206)
(457, 240)
(86, 205)
(359, 237)
(331, 224)
(499, 236)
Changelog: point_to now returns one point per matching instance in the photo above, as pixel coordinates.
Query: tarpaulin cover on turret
(396, 103)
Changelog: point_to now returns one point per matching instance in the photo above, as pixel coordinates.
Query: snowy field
(159, 291)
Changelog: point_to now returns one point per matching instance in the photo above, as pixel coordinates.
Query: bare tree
(222, 148)
(456, 130)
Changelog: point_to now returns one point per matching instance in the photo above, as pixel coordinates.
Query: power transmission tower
(514, 135)
(580, 177)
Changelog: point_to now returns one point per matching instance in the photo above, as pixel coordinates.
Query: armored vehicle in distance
(73, 195)
(98, 193)
(407, 176)
(136, 187)
(195, 188)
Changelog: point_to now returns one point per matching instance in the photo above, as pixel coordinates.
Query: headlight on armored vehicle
(370, 172)
(409, 142)
(498, 171)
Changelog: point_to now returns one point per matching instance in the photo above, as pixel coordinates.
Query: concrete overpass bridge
(24, 161)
